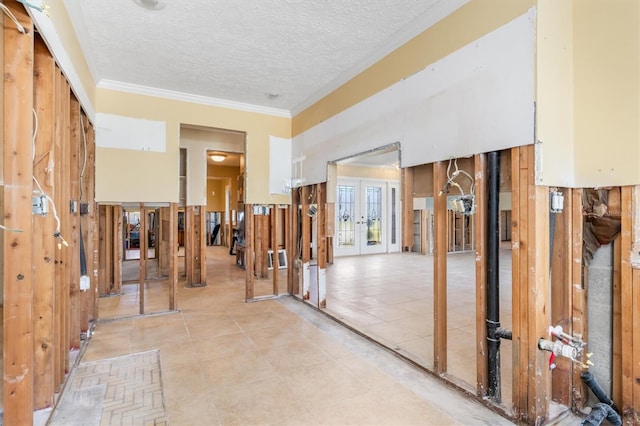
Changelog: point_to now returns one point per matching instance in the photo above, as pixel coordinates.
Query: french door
(367, 217)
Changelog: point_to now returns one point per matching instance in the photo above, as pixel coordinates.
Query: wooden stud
(480, 217)
(43, 227)
(579, 294)
(261, 236)
(331, 230)
(635, 352)
(249, 236)
(440, 272)
(74, 223)
(18, 402)
(293, 253)
(274, 212)
(626, 308)
(321, 220)
(65, 217)
(616, 373)
(519, 270)
(142, 273)
(201, 235)
(539, 295)
(118, 247)
(173, 257)
(407, 208)
(189, 234)
(561, 296)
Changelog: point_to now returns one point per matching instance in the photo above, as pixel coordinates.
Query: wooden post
(189, 244)
(578, 294)
(274, 212)
(480, 217)
(201, 234)
(407, 208)
(519, 266)
(63, 184)
(249, 251)
(173, 256)
(143, 256)
(74, 222)
(627, 308)
(306, 239)
(118, 247)
(321, 220)
(330, 229)
(439, 271)
(539, 309)
(18, 401)
(561, 295)
(43, 226)
(294, 273)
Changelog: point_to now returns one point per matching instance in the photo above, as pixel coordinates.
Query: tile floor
(389, 297)
(278, 362)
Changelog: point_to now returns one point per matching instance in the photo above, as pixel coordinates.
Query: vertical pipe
(493, 295)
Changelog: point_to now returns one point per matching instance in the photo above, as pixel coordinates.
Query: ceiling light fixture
(150, 4)
(218, 158)
(272, 95)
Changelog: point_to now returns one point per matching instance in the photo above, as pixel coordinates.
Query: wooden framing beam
(480, 217)
(18, 391)
(142, 272)
(74, 223)
(627, 282)
(321, 220)
(43, 227)
(561, 294)
(407, 208)
(578, 294)
(275, 212)
(294, 272)
(118, 247)
(440, 271)
(65, 217)
(189, 244)
(249, 262)
(173, 256)
(55, 181)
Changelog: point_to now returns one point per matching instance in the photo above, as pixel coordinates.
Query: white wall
(197, 142)
(477, 99)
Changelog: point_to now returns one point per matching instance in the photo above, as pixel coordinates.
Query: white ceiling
(241, 51)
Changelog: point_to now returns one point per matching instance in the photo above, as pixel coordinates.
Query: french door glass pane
(346, 216)
(374, 219)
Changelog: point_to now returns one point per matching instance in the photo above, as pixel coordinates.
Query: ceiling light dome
(218, 158)
(151, 4)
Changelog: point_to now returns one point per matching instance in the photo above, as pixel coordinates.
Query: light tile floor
(225, 361)
(389, 297)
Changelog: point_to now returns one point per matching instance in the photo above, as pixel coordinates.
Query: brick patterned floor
(133, 395)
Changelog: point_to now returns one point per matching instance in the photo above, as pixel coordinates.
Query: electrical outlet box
(84, 208)
(73, 206)
(40, 205)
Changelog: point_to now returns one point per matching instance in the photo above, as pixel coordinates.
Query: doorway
(366, 217)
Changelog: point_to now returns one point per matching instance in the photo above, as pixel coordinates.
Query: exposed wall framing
(44, 311)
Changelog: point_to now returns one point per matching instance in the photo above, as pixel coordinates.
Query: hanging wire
(57, 233)
(13, 18)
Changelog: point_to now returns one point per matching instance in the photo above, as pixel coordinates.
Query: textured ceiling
(244, 50)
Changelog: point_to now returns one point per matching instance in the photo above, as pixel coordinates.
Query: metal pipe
(599, 413)
(590, 380)
(503, 333)
(493, 281)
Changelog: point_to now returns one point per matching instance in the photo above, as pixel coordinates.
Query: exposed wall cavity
(600, 316)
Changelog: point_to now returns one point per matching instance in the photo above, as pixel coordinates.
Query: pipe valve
(564, 345)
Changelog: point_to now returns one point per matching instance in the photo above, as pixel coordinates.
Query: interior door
(362, 222)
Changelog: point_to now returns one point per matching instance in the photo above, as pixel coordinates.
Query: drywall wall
(477, 99)
(554, 92)
(125, 175)
(116, 131)
(364, 172)
(279, 165)
(606, 92)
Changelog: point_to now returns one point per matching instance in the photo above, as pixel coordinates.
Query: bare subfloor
(225, 361)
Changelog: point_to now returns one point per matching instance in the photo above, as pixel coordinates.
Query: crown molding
(187, 97)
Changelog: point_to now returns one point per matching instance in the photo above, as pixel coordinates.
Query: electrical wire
(13, 18)
(57, 233)
(84, 163)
